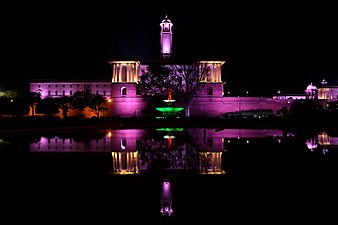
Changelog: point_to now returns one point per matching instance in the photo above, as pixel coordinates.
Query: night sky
(267, 47)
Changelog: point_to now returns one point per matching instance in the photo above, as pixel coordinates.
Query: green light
(169, 109)
(170, 129)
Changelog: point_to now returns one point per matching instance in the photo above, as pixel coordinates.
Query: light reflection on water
(165, 172)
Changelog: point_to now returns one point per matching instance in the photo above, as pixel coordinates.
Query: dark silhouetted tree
(81, 100)
(192, 77)
(65, 103)
(98, 103)
(48, 106)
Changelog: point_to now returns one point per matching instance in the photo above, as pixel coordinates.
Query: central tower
(166, 38)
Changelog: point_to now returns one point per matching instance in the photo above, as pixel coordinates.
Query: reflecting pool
(176, 175)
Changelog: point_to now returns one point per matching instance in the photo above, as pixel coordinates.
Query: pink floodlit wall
(166, 44)
(129, 92)
(210, 90)
(114, 140)
(211, 140)
(127, 107)
(59, 89)
(213, 106)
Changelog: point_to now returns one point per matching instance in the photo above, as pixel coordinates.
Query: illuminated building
(124, 99)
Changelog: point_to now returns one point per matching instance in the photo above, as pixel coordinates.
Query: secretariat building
(124, 100)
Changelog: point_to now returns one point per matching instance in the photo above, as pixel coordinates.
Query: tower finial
(324, 81)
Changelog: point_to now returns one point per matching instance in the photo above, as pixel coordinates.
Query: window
(209, 91)
(63, 93)
(48, 85)
(56, 86)
(123, 143)
(97, 85)
(70, 85)
(104, 85)
(56, 92)
(210, 142)
(48, 92)
(70, 92)
(64, 85)
(38, 86)
(124, 91)
(97, 92)
(104, 92)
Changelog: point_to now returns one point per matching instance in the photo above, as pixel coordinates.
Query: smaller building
(327, 91)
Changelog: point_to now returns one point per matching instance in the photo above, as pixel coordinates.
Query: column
(128, 72)
(136, 72)
(115, 73)
(120, 72)
(220, 72)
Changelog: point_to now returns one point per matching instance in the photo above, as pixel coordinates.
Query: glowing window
(124, 91)
(123, 143)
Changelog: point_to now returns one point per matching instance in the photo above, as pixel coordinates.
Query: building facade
(125, 101)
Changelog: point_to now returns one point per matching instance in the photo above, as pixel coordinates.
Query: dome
(166, 20)
(311, 87)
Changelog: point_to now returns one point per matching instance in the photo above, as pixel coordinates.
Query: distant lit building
(327, 91)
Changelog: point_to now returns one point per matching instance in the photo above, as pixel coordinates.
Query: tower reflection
(164, 152)
(166, 198)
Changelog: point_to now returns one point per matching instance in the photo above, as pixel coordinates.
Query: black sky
(284, 46)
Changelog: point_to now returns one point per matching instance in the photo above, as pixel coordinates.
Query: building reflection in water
(125, 163)
(322, 141)
(166, 198)
(167, 149)
(136, 150)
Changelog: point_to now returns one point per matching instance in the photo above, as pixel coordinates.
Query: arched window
(123, 143)
(123, 91)
(209, 91)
